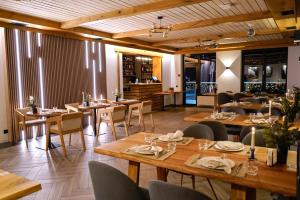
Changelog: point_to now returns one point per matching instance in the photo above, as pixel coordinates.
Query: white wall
(229, 79)
(4, 104)
(293, 72)
(111, 70)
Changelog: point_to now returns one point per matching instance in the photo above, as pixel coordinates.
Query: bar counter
(145, 92)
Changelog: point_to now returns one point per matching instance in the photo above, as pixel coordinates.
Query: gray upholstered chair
(111, 184)
(199, 131)
(164, 191)
(219, 129)
(223, 98)
(274, 111)
(259, 138)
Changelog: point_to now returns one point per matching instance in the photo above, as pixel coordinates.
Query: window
(264, 70)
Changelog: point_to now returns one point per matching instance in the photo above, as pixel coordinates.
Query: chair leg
(142, 122)
(63, 144)
(129, 116)
(193, 182)
(126, 128)
(152, 122)
(70, 138)
(114, 131)
(212, 188)
(98, 132)
(25, 135)
(82, 140)
(47, 136)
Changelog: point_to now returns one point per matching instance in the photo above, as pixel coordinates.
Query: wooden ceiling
(127, 22)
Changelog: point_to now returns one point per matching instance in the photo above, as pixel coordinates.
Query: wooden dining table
(94, 107)
(13, 186)
(239, 120)
(276, 179)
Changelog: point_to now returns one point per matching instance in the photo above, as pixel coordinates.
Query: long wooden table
(13, 186)
(240, 120)
(277, 179)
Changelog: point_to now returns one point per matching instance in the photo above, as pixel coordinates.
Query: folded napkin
(259, 121)
(218, 163)
(177, 134)
(229, 145)
(227, 113)
(141, 148)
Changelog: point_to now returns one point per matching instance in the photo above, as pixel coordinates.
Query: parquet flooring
(68, 179)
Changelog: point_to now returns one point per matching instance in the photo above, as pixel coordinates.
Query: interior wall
(111, 70)
(293, 70)
(229, 79)
(4, 102)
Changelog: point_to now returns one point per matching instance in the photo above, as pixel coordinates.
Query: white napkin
(141, 148)
(177, 134)
(229, 145)
(213, 162)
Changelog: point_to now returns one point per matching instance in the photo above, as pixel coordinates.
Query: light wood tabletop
(126, 102)
(277, 179)
(240, 120)
(13, 186)
(243, 105)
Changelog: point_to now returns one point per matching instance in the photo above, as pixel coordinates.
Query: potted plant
(289, 108)
(117, 94)
(281, 135)
(32, 104)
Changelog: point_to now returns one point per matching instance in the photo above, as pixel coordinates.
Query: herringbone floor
(69, 178)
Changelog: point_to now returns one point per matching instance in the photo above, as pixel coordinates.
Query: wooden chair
(65, 124)
(141, 110)
(113, 115)
(23, 121)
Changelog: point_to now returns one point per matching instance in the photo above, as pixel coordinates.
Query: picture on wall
(252, 73)
(283, 72)
(268, 71)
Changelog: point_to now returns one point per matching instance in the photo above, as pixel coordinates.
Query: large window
(265, 70)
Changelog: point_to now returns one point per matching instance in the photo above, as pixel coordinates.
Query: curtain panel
(55, 70)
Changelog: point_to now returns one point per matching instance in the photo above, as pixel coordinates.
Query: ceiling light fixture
(250, 31)
(164, 30)
(207, 44)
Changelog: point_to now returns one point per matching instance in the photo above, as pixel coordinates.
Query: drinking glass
(54, 108)
(252, 116)
(252, 170)
(171, 146)
(147, 138)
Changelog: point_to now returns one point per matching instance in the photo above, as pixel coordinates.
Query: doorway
(199, 76)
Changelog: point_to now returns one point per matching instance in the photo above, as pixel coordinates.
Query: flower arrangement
(86, 99)
(32, 104)
(117, 94)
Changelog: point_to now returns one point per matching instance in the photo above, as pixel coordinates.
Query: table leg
(134, 171)
(239, 192)
(95, 122)
(161, 173)
(174, 100)
(163, 106)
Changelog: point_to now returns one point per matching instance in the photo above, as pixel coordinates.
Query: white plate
(165, 138)
(151, 152)
(202, 162)
(230, 150)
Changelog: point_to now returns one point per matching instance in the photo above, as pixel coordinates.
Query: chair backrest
(219, 129)
(223, 98)
(245, 130)
(199, 131)
(160, 190)
(236, 110)
(146, 107)
(111, 184)
(259, 138)
(238, 95)
(71, 121)
(72, 107)
(274, 111)
(22, 111)
(118, 113)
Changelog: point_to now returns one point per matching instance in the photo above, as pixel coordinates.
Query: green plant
(280, 133)
(290, 108)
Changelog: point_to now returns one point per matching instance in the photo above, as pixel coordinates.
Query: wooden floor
(69, 178)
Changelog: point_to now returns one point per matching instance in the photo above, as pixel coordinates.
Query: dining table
(13, 186)
(249, 106)
(126, 102)
(47, 113)
(238, 120)
(167, 93)
(279, 179)
(93, 106)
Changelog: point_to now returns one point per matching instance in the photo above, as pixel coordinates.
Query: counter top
(145, 83)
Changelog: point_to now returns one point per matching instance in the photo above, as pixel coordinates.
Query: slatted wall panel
(64, 73)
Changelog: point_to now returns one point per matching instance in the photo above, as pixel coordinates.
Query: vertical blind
(53, 69)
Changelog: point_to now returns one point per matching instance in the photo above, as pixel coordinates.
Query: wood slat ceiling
(66, 10)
